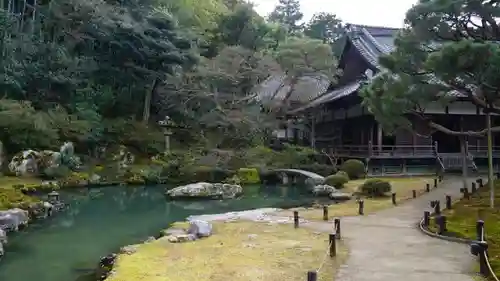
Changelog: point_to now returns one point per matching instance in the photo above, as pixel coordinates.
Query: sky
(388, 13)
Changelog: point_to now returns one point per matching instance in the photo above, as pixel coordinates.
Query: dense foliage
(104, 72)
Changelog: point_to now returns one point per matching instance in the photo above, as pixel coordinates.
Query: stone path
(387, 246)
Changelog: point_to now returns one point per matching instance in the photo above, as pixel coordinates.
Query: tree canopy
(102, 72)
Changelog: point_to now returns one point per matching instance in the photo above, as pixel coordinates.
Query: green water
(68, 246)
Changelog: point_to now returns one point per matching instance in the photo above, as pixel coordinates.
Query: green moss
(14, 198)
(461, 221)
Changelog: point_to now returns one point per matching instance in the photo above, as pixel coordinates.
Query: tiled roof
(372, 42)
(330, 96)
(276, 88)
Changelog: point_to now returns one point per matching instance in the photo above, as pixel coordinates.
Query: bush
(354, 168)
(342, 173)
(337, 180)
(375, 187)
(320, 169)
(249, 175)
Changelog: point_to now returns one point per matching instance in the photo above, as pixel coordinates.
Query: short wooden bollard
(432, 203)
(428, 187)
(437, 208)
(336, 224)
(325, 213)
(312, 275)
(296, 219)
(414, 193)
(361, 207)
(440, 178)
(473, 188)
(483, 264)
(427, 218)
(435, 183)
(480, 182)
(333, 246)
(441, 224)
(479, 230)
(466, 193)
(448, 202)
(394, 198)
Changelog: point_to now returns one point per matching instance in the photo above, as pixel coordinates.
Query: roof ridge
(373, 26)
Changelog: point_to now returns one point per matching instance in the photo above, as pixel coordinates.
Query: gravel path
(387, 246)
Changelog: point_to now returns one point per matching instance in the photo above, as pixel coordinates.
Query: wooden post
(333, 247)
(483, 264)
(427, 218)
(480, 230)
(361, 207)
(441, 223)
(312, 275)
(296, 219)
(394, 198)
(435, 183)
(336, 223)
(325, 213)
(437, 208)
(414, 193)
(473, 188)
(448, 202)
(428, 187)
(480, 182)
(466, 193)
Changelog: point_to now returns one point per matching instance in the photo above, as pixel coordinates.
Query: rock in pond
(323, 189)
(13, 218)
(3, 236)
(204, 190)
(1, 250)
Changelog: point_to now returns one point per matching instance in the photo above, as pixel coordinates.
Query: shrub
(320, 169)
(249, 175)
(375, 187)
(343, 174)
(354, 168)
(337, 180)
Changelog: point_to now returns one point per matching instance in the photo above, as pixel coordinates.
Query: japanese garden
(200, 140)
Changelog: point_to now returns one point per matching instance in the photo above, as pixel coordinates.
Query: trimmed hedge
(354, 168)
(337, 180)
(375, 187)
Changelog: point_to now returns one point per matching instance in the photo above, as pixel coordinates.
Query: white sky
(388, 13)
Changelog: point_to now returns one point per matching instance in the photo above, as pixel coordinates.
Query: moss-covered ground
(10, 195)
(403, 187)
(462, 218)
(241, 250)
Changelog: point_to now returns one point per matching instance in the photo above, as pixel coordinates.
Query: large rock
(16, 217)
(323, 190)
(206, 190)
(1, 250)
(200, 228)
(340, 196)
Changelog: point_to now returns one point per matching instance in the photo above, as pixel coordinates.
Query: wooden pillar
(379, 137)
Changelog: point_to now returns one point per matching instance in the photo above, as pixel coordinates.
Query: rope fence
(478, 247)
(331, 250)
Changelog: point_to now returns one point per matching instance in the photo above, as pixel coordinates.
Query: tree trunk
(147, 101)
(463, 143)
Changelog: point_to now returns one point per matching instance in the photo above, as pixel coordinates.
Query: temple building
(334, 120)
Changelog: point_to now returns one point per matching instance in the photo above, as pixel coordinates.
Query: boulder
(128, 250)
(2, 252)
(179, 238)
(206, 190)
(13, 218)
(200, 228)
(340, 196)
(323, 190)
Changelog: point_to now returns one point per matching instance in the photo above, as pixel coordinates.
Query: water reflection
(99, 221)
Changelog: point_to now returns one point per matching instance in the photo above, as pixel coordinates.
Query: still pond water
(67, 247)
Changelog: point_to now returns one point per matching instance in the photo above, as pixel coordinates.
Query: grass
(12, 197)
(243, 251)
(401, 186)
(461, 221)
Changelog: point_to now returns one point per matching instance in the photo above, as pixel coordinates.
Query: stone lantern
(167, 124)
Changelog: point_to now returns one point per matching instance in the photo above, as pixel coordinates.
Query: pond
(67, 247)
